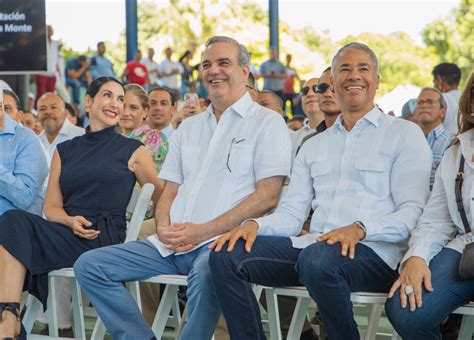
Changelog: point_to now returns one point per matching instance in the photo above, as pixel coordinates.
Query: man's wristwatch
(361, 226)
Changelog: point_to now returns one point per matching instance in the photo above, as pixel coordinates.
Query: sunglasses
(320, 88)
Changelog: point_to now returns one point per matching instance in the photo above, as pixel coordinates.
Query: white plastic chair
(137, 207)
(377, 301)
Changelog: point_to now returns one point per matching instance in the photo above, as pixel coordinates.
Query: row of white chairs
(168, 313)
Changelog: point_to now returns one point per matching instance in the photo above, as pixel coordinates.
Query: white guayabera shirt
(377, 173)
(441, 224)
(217, 164)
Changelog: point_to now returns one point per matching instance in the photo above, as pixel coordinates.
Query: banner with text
(22, 36)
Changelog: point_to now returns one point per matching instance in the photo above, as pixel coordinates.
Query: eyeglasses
(320, 88)
(429, 102)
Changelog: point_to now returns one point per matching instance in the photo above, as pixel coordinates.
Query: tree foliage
(181, 23)
(451, 38)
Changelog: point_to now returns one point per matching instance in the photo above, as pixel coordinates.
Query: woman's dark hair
(95, 86)
(185, 54)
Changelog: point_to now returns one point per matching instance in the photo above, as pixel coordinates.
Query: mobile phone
(191, 98)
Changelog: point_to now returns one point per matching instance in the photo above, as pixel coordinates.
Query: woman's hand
(415, 272)
(77, 224)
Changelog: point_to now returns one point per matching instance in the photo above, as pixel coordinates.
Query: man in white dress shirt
(366, 179)
(169, 71)
(446, 78)
(225, 165)
(56, 128)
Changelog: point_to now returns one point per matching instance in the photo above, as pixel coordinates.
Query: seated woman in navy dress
(430, 286)
(90, 183)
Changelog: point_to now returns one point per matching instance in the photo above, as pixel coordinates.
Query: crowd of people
(352, 200)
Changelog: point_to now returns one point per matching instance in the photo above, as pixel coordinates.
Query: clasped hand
(77, 224)
(181, 237)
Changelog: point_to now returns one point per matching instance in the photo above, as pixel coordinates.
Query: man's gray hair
(358, 46)
(442, 101)
(243, 56)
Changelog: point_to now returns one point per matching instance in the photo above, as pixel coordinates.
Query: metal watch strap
(361, 226)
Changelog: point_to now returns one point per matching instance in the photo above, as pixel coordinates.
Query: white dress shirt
(441, 225)
(217, 164)
(152, 68)
(452, 101)
(298, 136)
(377, 173)
(68, 131)
(171, 81)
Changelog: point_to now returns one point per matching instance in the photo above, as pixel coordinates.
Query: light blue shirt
(168, 131)
(438, 140)
(270, 83)
(100, 67)
(23, 168)
(377, 173)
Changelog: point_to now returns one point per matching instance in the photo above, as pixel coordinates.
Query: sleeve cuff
(267, 173)
(418, 251)
(170, 176)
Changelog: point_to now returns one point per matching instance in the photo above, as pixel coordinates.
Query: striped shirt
(438, 139)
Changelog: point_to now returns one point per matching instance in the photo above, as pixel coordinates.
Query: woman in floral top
(132, 124)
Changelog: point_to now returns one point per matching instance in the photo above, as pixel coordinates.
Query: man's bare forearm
(256, 205)
(162, 212)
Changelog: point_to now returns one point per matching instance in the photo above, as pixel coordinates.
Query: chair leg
(374, 319)
(33, 306)
(99, 330)
(51, 308)
(164, 309)
(467, 328)
(273, 317)
(134, 289)
(78, 312)
(395, 336)
(181, 323)
(299, 315)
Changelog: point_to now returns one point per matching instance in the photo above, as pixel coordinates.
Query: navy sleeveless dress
(96, 183)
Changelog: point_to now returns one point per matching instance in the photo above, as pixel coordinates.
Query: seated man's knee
(318, 260)
(86, 263)
(223, 260)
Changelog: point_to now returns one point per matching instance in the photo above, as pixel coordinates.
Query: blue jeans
(328, 276)
(449, 293)
(100, 273)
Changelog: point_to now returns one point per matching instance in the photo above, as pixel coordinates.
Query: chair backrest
(138, 206)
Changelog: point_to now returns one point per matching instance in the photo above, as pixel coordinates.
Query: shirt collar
(437, 131)
(372, 117)
(241, 106)
(9, 125)
(66, 128)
